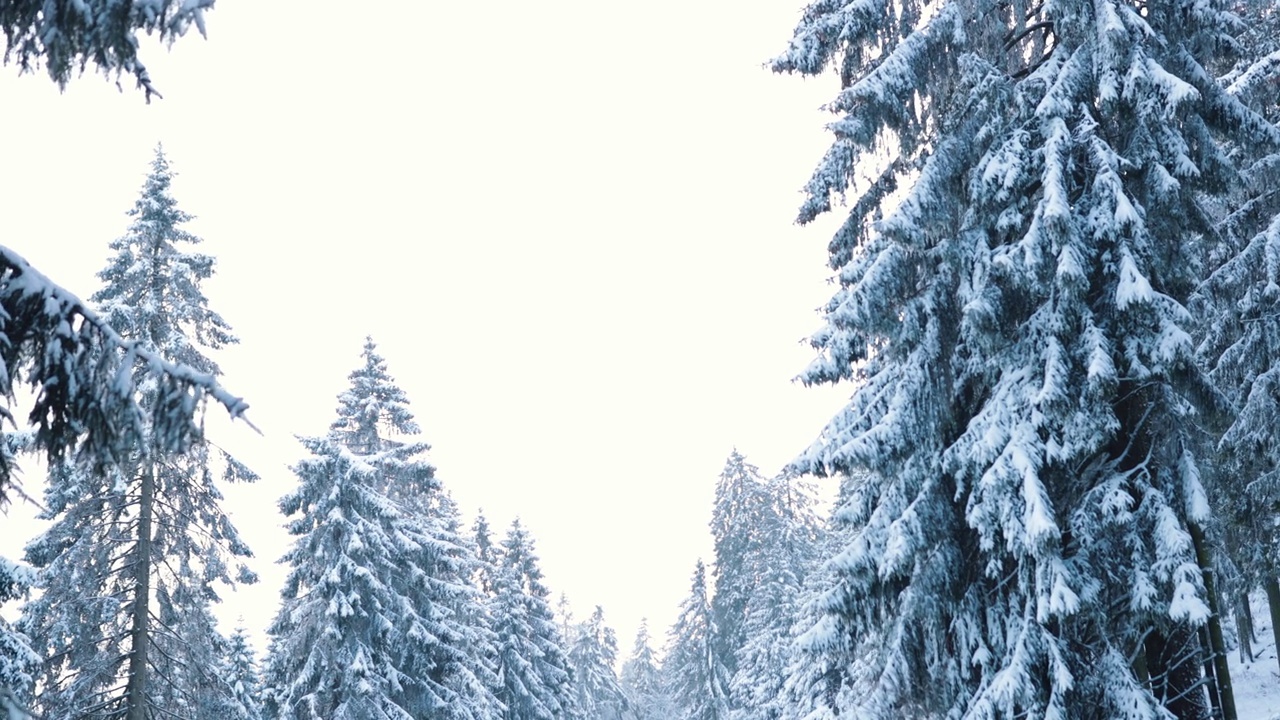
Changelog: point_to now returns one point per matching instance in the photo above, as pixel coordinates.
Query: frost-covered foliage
(84, 374)
(17, 660)
(1238, 307)
(467, 665)
(736, 517)
(593, 654)
(129, 565)
(642, 680)
(811, 672)
(66, 37)
(372, 624)
(485, 573)
(239, 669)
(788, 530)
(698, 681)
(535, 681)
(764, 534)
(1029, 192)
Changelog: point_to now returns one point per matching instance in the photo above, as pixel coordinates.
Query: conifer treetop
(373, 406)
(152, 285)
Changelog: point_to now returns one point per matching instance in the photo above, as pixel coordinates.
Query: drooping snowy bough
(83, 375)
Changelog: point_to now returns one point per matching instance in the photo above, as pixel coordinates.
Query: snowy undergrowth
(1257, 684)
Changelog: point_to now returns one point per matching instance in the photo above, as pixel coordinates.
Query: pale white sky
(568, 225)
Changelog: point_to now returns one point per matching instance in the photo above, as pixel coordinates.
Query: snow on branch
(87, 377)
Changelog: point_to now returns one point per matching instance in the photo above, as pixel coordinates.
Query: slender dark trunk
(1247, 611)
(1224, 699)
(1140, 669)
(1244, 628)
(136, 690)
(1210, 677)
(1273, 602)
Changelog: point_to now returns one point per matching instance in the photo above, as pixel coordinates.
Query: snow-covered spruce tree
(129, 564)
(368, 627)
(735, 521)
(564, 614)
(535, 681)
(642, 681)
(486, 554)
(593, 654)
(815, 674)
(789, 530)
(1028, 210)
(698, 681)
(474, 672)
(1238, 306)
(239, 669)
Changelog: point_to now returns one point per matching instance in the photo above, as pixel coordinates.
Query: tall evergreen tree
(736, 520)
(642, 680)
(1237, 307)
(593, 655)
(369, 627)
(814, 681)
(535, 681)
(789, 531)
(697, 678)
(129, 564)
(1030, 185)
(486, 553)
(239, 669)
(472, 664)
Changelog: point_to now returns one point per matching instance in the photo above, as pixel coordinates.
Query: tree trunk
(1175, 670)
(1210, 675)
(1225, 702)
(1273, 601)
(1244, 628)
(1247, 610)
(136, 690)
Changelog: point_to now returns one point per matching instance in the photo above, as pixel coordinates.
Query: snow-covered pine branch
(83, 374)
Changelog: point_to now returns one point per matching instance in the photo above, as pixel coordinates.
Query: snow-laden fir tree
(129, 564)
(1238, 307)
(473, 672)
(564, 614)
(535, 681)
(698, 681)
(369, 626)
(788, 529)
(486, 554)
(808, 667)
(643, 682)
(239, 669)
(735, 522)
(593, 655)
(1027, 188)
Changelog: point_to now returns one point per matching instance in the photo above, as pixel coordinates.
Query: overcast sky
(568, 226)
